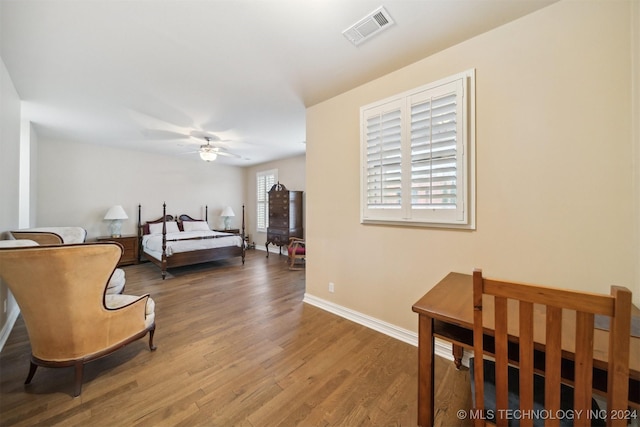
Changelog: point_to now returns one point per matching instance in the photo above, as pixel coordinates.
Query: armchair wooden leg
(151, 346)
(32, 372)
(79, 374)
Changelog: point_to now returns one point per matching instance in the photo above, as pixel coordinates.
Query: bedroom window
(418, 155)
(264, 181)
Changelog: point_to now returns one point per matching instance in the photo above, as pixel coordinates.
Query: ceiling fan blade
(163, 134)
(226, 153)
(164, 117)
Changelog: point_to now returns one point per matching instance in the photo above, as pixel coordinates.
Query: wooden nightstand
(130, 245)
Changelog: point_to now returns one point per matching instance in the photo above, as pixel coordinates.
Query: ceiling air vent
(368, 26)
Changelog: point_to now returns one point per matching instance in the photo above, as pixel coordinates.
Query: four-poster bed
(172, 242)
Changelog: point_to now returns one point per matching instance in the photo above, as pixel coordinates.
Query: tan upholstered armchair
(61, 292)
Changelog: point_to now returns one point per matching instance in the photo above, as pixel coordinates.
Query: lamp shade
(116, 212)
(227, 212)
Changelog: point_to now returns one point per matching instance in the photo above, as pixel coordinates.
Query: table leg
(458, 352)
(425, 371)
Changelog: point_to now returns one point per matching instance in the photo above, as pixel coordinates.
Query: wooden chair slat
(526, 361)
(583, 367)
(553, 357)
(502, 361)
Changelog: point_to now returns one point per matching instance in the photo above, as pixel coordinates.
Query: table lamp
(226, 214)
(116, 214)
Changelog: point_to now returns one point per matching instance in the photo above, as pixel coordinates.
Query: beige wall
(9, 177)
(78, 183)
(555, 198)
(291, 173)
(9, 151)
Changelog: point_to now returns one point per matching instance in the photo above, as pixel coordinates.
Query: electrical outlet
(331, 287)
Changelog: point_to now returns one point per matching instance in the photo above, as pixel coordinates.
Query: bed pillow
(156, 228)
(172, 227)
(195, 226)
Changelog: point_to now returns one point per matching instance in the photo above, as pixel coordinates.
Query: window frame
(262, 197)
(461, 87)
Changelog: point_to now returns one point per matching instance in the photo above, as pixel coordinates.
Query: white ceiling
(137, 74)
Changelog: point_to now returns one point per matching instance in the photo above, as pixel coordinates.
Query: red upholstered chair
(296, 252)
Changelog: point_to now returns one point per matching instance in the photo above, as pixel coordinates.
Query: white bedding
(179, 242)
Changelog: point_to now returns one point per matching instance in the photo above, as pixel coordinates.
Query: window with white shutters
(417, 156)
(384, 158)
(264, 181)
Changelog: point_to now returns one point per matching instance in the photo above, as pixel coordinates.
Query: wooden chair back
(552, 302)
(42, 238)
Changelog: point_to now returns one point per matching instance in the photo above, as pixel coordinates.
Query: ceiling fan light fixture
(207, 154)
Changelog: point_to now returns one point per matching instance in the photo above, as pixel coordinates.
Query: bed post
(164, 240)
(206, 214)
(242, 236)
(139, 234)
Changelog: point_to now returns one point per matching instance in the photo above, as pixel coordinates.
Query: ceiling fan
(209, 152)
(155, 128)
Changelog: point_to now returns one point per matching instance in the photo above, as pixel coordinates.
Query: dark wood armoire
(285, 216)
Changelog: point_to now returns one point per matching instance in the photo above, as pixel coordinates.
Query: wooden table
(446, 312)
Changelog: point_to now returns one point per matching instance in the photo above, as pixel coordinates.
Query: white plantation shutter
(264, 181)
(436, 136)
(415, 161)
(384, 158)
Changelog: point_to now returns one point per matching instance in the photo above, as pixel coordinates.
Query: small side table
(130, 245)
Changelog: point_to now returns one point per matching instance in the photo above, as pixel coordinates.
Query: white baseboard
(8, 326)
(442, 348)
(377, 325)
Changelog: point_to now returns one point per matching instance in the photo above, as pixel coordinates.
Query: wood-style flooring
(236, 347)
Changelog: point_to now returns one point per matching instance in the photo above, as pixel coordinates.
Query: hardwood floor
(236, 346)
